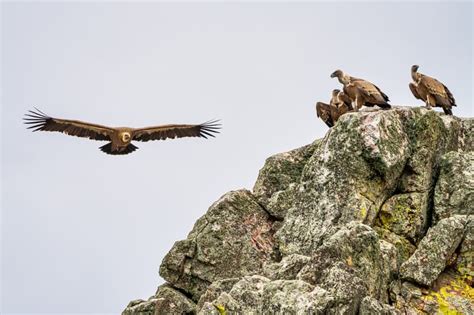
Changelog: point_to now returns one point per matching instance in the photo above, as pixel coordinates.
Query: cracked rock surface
(233, 239)
(375, 218)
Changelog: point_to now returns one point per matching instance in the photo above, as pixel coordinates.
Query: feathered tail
(108, 149)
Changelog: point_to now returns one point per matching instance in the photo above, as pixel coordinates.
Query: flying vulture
(431, 91)
(361, 92)
(339, 105)
(119, 138)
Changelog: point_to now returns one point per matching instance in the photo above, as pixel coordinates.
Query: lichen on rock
(286, 269)
(233, 239)
(435, 251)
(405, 215)
(276, 181)
(140, 307)
(454, 193)
(355, 250)
(375, 218)
(350, 174)
(371, 306)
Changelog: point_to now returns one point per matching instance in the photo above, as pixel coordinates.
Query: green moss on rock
(405, 215)
(336, 225)
(454, 193)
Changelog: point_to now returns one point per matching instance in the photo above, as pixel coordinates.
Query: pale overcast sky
(84, 232)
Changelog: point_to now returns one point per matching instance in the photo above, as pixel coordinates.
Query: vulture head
(337, 74)
(341, 76)
(414, 74)
(125, 137)
(335, 92)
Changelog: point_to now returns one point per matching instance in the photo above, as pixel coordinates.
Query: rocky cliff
(375, 218)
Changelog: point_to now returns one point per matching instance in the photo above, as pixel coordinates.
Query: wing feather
(434, 86)
(385, 97)
(204, 130)
(323, 111)
(438, 90)
(452, 101)
(39, 121)
(353, 79)
(371, 91)
(344, 98)
(414, 91)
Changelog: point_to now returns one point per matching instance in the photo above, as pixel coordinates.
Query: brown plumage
(119, 138)
(431, 91)
(338, 106)
(361, 92)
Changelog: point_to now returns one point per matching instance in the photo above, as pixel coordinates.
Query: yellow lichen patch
(363, 213)
(404, 247)
(467, 273)
(384, 220)
(349, 261)
(455, 289)
(221, 309)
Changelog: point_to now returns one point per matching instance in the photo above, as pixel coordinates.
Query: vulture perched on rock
(361, 92)
(338, 105)
(119, 138)
(431, 91)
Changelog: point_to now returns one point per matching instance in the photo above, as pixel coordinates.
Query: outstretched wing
(39, 121)
(323, 111)
(207, 129)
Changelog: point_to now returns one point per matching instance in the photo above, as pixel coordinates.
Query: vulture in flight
(338, 106)
(361, 92)
(431, 91)
(119, 138)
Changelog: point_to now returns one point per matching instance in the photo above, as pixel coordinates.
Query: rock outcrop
(375, 218)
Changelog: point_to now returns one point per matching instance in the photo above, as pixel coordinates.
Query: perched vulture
(431, 91)
(339, 105)
(361, 92)
(119, 138)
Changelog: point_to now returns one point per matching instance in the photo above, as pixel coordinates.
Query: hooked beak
(333, 75)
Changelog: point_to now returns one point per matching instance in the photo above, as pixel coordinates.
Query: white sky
(85, 232)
